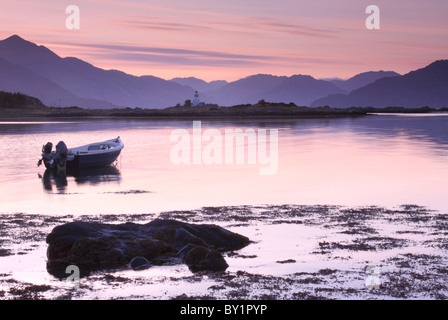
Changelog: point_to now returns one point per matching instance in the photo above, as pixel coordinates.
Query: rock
(94, 246)
(140, 263)
(201, 259)
(184, 251)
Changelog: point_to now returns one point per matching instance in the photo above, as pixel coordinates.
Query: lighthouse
(196, 102)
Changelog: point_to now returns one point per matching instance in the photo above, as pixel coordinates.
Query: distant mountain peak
(187, 78)
(15, 49)
(17, 40)
(441, 61)
(199, 84)
(427, 86)
(362, 79)
(14, 37)
(302, 77)
(438, 64)
(36, 70)
(262, 75)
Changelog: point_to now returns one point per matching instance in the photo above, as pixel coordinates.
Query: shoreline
(261, 110)
(323, 253)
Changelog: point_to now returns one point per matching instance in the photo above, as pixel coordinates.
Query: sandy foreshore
(297, 252)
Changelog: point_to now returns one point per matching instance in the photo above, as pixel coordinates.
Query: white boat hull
(92, 155)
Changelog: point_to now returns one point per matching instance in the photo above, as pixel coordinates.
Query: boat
(92, 155)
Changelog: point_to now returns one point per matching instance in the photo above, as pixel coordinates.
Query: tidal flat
(296, 252)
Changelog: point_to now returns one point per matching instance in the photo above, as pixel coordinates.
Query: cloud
(128, 54)
(298, 30)
(172, 56)
(177, 60)
(150, 24)
(242, 25)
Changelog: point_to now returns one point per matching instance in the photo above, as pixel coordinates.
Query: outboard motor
(60, 156)
(47, 148)
(54, 159)
(46, 155)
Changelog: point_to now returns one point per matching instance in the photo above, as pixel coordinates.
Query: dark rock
(200, 259)
(140, 263)
(184, 251)
(96, 246)
(286, 261)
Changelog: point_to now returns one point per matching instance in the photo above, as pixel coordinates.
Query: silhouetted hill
(9, 100)
(106, 88)
(362, 79)
(424, 87)
(246, 90)
(16, 78)
(299, 89)
(199, 84)
(37, 71)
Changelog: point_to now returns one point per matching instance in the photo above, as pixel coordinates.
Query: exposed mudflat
(297, 252)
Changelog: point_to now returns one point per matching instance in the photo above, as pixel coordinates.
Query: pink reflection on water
(317, 164)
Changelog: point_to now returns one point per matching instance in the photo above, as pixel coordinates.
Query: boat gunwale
(83, 150)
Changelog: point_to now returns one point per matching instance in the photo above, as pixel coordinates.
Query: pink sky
(233, 39)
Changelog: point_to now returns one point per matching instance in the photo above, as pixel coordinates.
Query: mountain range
(424, 87)
(199, 84)
(37, 71)
(362, 79)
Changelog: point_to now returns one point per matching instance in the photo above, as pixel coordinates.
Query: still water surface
(384, 160)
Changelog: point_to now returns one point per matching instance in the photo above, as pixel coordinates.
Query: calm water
(384, 160)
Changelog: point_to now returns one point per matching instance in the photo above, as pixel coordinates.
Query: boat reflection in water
(52, 177)
(88, 176)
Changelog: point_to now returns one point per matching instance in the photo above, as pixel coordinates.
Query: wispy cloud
(151, 23)
(170, 55)
(177, 60)
(200, 27)
(175, 51)
(298, 30)
(234, 25)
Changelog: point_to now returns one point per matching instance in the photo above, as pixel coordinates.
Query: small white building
(196, 102)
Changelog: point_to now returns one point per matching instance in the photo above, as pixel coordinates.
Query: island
(17, 105)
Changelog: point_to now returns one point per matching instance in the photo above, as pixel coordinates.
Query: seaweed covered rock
(200, 258)
(140, 263)
(95, 246)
